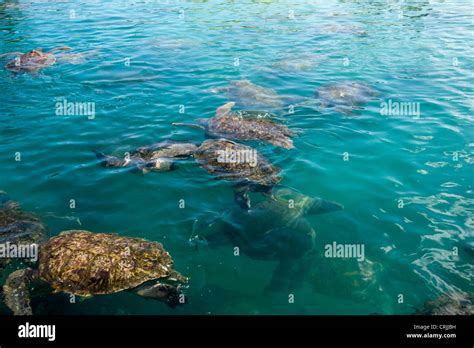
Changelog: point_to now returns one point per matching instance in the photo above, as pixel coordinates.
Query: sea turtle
(18, 227)
(343, 29)
(249, 95)
(32, 61)
(229, 160)
(155, 157)
(222, 158)
(454, 304)
(86, 264)
(244, 125)
(345, 96)
(273, 229)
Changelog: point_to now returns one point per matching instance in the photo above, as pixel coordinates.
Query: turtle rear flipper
(17, 291)
(319, 206)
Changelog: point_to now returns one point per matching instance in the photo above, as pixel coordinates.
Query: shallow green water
(408, 51)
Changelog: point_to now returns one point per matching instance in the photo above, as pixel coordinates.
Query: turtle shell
(232, 161)
(31, 61)
(85, 263)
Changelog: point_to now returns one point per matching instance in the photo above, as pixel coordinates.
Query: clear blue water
(411, 51)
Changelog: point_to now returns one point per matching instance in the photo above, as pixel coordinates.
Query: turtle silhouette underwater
(275, 229)
(244, 125)
(32, 61)
(86, 264)
(246, 94)
(222, 158)
(18, 227)
(345, 96)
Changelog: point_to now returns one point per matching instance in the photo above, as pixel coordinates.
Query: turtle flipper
(108, 161)
(63, 48)
(242, 197)
(224, 109)
(11, 54)
(17, 291)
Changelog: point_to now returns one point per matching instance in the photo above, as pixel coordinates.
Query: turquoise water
(143, 60)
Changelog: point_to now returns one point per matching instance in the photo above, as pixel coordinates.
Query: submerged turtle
(345, 96)
(292, 62)
(274, 229)
(244, 125)
(343, 29)
(222, 158)
(32, 61)
(156, 157)
(86, 264)
(18, 227)
(229, 160)
(455, 304)
(250, 95)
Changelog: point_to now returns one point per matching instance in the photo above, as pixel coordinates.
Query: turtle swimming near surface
(244, 125)
(345, 96)
(86, 264)
(225, 159)
(32, 61)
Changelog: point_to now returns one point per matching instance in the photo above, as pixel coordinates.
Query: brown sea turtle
(32, 61)
(156, 157)
(345, 96)
(249, 95)
(86, 264)
(244, 125)
(225, 159)
(17, 228)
